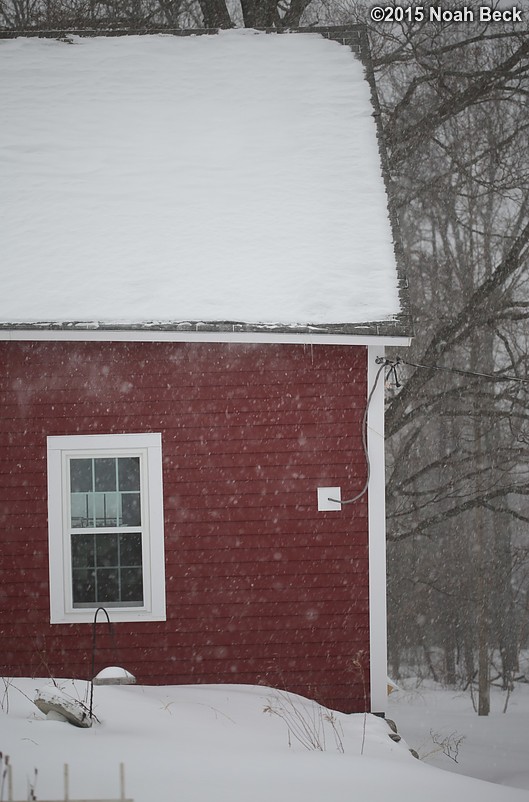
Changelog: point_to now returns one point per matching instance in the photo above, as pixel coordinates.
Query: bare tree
(132, 14)
(454, 103)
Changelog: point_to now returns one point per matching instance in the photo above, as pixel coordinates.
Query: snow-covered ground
(444, 729)
(240, 743)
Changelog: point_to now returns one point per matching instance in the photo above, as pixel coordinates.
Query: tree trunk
(258, 14)
(483, 628)
(215, 14)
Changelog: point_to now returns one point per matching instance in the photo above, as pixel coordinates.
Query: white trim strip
(148, 335)
(377, 537)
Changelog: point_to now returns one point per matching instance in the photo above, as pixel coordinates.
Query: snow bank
(206, 743)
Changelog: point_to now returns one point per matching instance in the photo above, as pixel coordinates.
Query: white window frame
(60, 450)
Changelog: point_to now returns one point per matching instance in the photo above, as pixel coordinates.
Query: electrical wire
(461, 372)
(383, 363)
(393, 365)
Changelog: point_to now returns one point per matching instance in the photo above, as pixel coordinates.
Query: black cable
(461, 372)
(393, 365)
(383, 363)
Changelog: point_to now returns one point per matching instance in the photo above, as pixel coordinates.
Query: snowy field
(244, 743)
(443, 728)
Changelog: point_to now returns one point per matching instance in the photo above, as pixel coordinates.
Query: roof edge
(123, 335)
(354, 32)
(399, 326)
(365, 56)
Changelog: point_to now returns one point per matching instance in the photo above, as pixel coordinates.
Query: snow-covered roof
(168, 180)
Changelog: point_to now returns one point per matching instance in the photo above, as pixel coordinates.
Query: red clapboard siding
(261, 587)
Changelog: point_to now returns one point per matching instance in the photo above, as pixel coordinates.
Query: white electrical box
(325, 494)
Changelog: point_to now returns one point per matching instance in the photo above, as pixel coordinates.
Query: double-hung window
(105, 515)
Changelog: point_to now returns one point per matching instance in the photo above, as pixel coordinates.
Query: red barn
(199, 279)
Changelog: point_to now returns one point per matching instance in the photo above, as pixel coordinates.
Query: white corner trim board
(377, 536)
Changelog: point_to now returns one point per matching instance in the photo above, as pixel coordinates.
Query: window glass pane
(132, 585)
(84, 586)
(105, 473)
(82, 509)
(83, 551)
(107, 550)
(130, 509)
(130, 549)
(107, 585)
(81, 475)
(129, 473)
(107, 568)
(106, 509)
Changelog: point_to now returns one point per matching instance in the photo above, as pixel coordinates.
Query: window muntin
(107, 569)
(105, 491)
(106, 526)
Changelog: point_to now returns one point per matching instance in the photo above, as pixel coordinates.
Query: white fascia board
(151, 335)
(377, 534)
